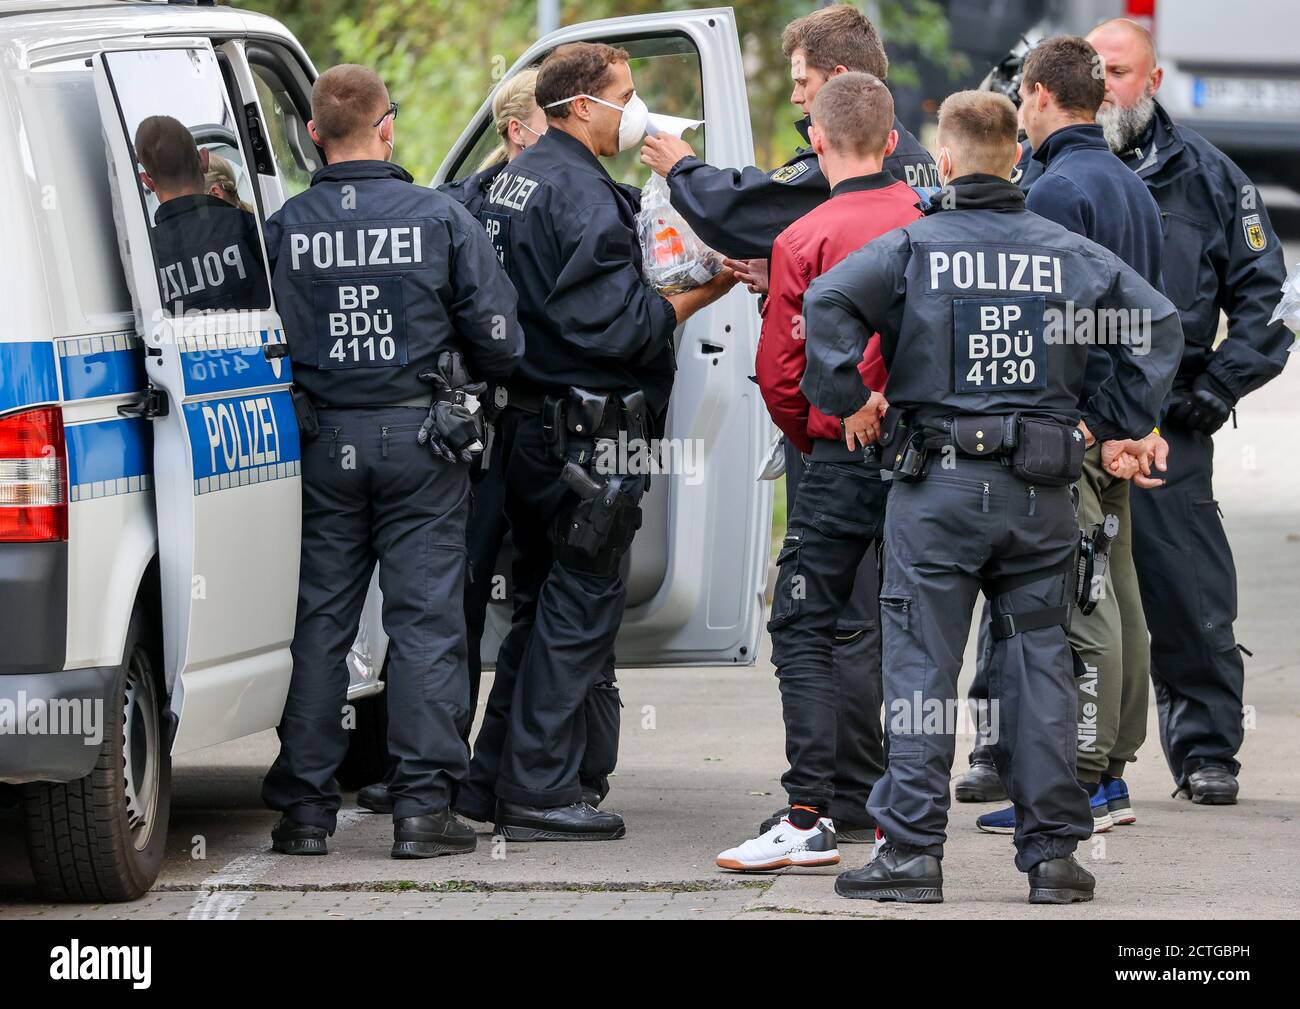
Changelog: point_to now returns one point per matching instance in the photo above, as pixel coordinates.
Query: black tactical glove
(1205, 407)
(455, 429)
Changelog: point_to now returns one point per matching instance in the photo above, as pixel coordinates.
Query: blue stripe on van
(108, 373)
(228, 369)
(109, 457)
(27, 375)
(243, 440)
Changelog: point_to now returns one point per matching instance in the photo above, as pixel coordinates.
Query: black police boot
(375, 798)
(577, 821)
(1212, 785)
(591, 797)
(289, 837)
(980, 784)
(431, 835)
(1060, 881)
(903, 874)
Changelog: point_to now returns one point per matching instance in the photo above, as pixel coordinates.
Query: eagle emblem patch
(788, 173)
(1254, 229)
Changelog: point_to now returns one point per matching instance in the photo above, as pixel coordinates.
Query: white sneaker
(784, 845)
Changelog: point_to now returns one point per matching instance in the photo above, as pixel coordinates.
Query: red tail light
(33, 477)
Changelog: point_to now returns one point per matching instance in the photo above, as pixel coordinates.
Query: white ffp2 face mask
(631, 125)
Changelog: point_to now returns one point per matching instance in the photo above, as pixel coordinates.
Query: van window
(666, 72)
(63, 138)
(193, 180)
(295, 154)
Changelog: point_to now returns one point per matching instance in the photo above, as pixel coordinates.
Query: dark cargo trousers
(855, 662)
(484, 537)
(371, 493)
(1189, 592)
(533, 741)
(831, 708)
(946, 537)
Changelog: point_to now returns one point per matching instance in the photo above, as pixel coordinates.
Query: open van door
(226, 450)
(698, 565)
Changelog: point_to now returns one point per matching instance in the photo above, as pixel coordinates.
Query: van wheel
(101, 838)
(367, 757)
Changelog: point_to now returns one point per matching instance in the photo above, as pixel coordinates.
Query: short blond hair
(855, 113)
(979, 128)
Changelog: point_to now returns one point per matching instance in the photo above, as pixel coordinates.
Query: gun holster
(902, 446)
(594, 534)
(1090, 567)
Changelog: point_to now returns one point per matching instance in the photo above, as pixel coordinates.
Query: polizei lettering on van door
(241, 433)
(332, 250)
(987, 270)
(240, 440)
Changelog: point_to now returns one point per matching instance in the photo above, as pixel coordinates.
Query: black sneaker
(289, 837)
(431, 835)
(575, 822)
(1060, 881)
(1212, 785)
(375, 798)
(980, 784)
(902, 874)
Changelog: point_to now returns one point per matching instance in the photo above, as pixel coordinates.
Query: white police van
(149, 486)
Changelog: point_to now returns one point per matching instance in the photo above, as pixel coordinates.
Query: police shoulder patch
(788, 173)
(1253, 226)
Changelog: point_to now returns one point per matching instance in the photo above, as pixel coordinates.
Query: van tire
(86, 840)
(366, 761)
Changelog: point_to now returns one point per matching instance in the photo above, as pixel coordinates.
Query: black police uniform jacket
(1220, 254)
(740, 213)
(1084, 187)
(375, 276)
(471, 191)
(208, 256)
(978, 305)
(566, 234)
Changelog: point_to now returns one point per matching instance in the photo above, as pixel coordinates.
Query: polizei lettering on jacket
(200, 273)
(987, 270)
(510, 190)
(331, 250)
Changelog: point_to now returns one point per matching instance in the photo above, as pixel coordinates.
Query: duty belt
(983, 436)
(560, 403)
(419, 402)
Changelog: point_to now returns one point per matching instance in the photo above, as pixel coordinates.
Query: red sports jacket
(859, 210)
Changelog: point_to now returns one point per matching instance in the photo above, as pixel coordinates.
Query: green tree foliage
(441, 58)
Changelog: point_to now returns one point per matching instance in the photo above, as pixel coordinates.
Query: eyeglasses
(392, 111)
